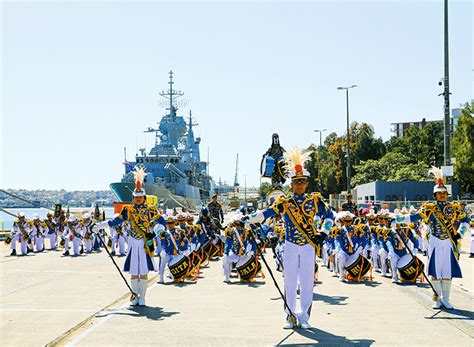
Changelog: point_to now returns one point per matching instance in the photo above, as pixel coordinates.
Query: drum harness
(435, 295)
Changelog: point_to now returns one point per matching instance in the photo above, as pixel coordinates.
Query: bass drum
(357, 266)
(409, 268)
(267, 166)
(248, 267)
(179, 266)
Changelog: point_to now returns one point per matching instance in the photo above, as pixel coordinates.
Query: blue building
(398, 191)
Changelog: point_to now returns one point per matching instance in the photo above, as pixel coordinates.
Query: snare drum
(248, 267)
(8, 240)
(358, 266)
(179, 266)
(409, 268)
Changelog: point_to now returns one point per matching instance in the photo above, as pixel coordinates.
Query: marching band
(299, 228)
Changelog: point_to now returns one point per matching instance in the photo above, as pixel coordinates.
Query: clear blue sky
(80, 81)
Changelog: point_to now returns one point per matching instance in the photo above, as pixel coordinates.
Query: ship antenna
(170, 94)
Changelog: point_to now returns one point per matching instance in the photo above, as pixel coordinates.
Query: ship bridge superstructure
(174, 162)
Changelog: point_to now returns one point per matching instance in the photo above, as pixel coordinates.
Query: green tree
(392, 166)
(264, 189)
(462, 148)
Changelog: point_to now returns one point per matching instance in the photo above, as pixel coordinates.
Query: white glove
(250, 254)
(100, 225)
(158, 228)
(256, 217)
(415, 251)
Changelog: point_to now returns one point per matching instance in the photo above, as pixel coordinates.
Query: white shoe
(395, 279)
(288, 325)
(305, 325)
(437, 305)
(447, 304)
(161, 280)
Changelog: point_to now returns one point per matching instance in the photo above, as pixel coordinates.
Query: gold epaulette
(281, 200)
(426, 210)
(458, 209)
(152, 210)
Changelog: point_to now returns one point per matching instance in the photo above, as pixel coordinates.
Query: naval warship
(174, 170)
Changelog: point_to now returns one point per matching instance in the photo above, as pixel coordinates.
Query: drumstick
(435, 296)
(292, 316)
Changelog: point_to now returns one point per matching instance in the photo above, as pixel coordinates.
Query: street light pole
(320, 136)
(348, 152)
(447, 125)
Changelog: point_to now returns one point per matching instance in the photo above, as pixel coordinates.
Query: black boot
(66, 253)
(13, 253)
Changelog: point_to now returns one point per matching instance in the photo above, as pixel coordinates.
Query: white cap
(21, 214)
(86, 215)
(72, 218)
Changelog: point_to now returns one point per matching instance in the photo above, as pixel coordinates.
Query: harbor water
(6, 220)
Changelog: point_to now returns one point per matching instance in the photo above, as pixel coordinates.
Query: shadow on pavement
(152, 313)
(453, 314)
(372, 284)
(332, 300)
(324, 338)
(255, 284)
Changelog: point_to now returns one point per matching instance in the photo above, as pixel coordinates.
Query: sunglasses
(300, 180)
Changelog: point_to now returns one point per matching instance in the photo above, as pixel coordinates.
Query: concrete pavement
(46, 298)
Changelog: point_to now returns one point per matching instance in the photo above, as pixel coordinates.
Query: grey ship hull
(124, 191)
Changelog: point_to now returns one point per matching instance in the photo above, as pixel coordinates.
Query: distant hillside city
(48, 198)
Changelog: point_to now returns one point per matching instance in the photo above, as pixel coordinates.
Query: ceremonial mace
(292, 318)
(436, 295)
(133, 295)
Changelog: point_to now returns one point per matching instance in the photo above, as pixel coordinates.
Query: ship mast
(170, 93)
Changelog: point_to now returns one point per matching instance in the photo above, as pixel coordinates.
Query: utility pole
(348, 151)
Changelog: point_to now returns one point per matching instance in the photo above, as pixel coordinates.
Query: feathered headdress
(139, 175)
(295, 160)
(439, 179)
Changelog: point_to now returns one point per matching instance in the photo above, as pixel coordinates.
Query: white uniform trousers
(227, 261)
(13, 243)
(164, 260)
(394, 258)
(298, 263)
(120, 240)
(52, 240)
(374, 253)
(39, 242)
(88, 245)
(76, 245)
(383, 260)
